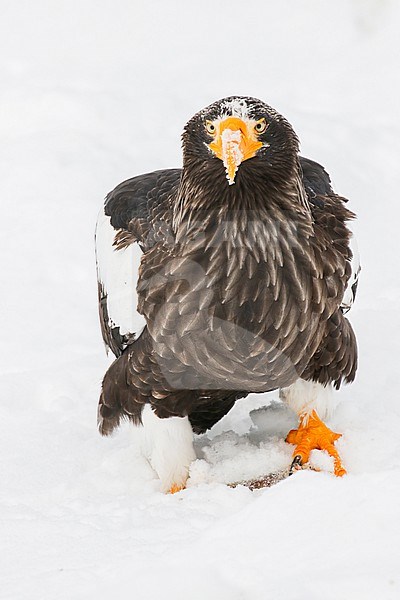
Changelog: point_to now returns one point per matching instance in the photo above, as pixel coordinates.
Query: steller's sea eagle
(228, 276)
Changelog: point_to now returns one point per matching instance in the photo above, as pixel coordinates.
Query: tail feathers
(336, 359)
(107, 418)
(117, 399)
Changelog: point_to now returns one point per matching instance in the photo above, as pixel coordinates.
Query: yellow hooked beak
(234, 141)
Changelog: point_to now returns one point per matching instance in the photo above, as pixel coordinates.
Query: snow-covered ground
(93, 92)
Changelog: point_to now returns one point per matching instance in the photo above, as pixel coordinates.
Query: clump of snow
(232, 458)
(88, 99)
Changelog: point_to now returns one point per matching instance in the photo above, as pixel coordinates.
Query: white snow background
(93, 92)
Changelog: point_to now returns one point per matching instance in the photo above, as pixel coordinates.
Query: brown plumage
(240, 285)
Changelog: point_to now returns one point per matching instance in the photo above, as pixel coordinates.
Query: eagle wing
(336, 358)
(134, 215)
(318, 187)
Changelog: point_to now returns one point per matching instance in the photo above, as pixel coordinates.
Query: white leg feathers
(305, 396)
(168, 445)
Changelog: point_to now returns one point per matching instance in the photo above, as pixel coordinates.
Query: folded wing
(127, 226)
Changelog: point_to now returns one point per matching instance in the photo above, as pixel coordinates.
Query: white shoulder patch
(349, 293)
(118, 272)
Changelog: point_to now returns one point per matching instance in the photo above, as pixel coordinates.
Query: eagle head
(239, 131)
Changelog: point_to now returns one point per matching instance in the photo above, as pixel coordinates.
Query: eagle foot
(297, 464)
(176, 488)
(313, 434)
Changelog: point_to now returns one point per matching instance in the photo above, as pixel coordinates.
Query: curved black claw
(296, 465)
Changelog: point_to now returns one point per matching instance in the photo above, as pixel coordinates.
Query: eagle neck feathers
(253, 202)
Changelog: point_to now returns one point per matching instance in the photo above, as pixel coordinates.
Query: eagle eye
(210, 127)
(261, 125)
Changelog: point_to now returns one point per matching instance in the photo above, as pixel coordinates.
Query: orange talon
(175, 488)
(314, 434)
